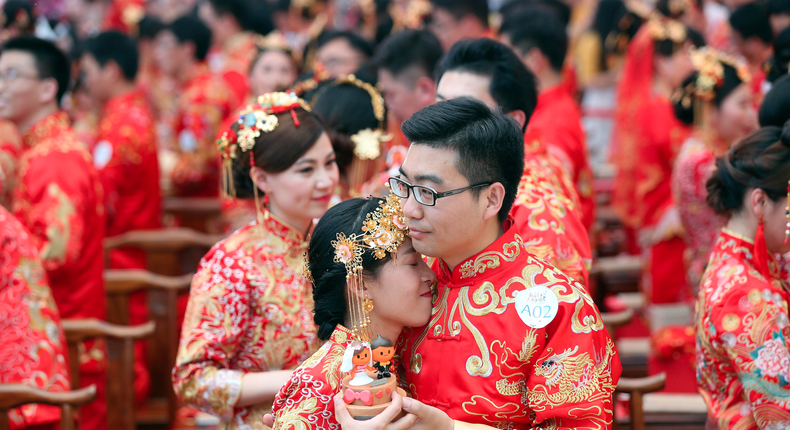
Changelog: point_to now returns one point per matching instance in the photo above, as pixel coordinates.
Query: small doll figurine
(383, 351)
(357, 359)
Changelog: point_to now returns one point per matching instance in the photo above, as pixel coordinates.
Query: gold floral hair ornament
(383, 232)
(257, 118)
(320, 75)
(663, 28)
(709, 65)
(272, 41)
(308, 275)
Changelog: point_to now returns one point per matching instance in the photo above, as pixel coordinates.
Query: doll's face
(361, 358)
(383, 353)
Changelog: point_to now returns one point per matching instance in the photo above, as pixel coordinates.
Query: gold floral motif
(59, 231)
(332, 365)
(491, 259)
(296, 418)
(730, 322)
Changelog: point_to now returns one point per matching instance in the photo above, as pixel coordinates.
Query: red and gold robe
(126, 158)
(233, 61)
(743, 339)
(124, 15)
(204, 104)
(559, 121)
(59, 199)
(305, 401)
(546, 212)
(249, 311)
(32, 344)
(694, 166)
(481, 363)
(10, 151)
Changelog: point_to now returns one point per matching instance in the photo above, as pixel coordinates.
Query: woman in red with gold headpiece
(743, 338)
(717, 101)
(248, 321)
(646, 141)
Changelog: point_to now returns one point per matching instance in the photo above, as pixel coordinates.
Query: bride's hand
(382, 421)
(429, 417)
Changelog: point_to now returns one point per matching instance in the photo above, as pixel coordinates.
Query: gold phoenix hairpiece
(258, 117)
(663, 28)
(709, 65)
(274, 40)
(382, 232)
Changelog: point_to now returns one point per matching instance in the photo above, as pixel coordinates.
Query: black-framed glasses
(425, 195)
(12, 75)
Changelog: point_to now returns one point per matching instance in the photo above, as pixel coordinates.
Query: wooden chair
(169, 251)
(198, 213)
(163, 292)
(613, 275)
(15, 395)
(636, 389)
(613, 320)
(120, 354)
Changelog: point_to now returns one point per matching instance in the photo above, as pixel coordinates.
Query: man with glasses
(512, 341)
(546, 209)
(58, 195)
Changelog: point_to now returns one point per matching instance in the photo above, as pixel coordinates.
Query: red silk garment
(59, 199)
(481, 363)
(10, 151)
(249, 311)
(546, 212)
(124, 15)
(558, 119)
(204, 103)
(126, 159)
(32, 345)
(233, 61)
(743, 339)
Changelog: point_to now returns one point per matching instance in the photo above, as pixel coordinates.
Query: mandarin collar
(485, 263)
(291, 236)
(742, 247)
(46, 127)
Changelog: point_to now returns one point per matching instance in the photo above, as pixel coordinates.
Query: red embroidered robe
(233, 61)
(32, 345)
(59, 199)
(479, 362)
(249, 311)
(743, 339)
(10, 151)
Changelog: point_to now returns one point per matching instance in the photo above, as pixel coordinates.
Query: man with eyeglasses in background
(509, 334)
(58, 196)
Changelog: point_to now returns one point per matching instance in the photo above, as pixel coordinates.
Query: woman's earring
(368, 305)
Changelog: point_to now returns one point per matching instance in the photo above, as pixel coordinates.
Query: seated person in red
(539, 39)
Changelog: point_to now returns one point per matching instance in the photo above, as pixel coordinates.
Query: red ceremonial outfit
(204, 104)
(32, 345)
(10, 151)
(59, 199)
(648, 137)
(305, 401)
(124, 15)
(249, 311)
(743, 361)
(126, 158)
(480, 361)
(694, 166)
(558, 118)
(233, 61)
(546, 212)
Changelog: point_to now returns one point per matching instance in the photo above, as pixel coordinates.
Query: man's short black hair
(149, 27)
(190, 28)
(779, 7)
(49, 60)
(489, 145)
(557, 7)
(117, 47)
(461, 8)
(539, 28)
(357, 43)
(752, 20)
(251, 15)
(512, 85)
(411, 48)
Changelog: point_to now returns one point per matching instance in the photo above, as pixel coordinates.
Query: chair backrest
(120, 354)
(169, 251)
(163, 293)
(15, 395)
(199, 213)
(612, 275)
(613, 320)
(636, 389)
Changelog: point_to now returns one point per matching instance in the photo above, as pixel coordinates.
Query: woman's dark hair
(777, 65)
(278, 150)
(668, 47)
(345, 109)
(329, 286)
(684, 110)
(775, 109)
(761, 160)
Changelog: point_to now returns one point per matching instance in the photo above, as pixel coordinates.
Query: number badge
(537, 306)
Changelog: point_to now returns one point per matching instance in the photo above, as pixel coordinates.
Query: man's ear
(495, 197)
(519, 116)
(48, 91)
(426, 88)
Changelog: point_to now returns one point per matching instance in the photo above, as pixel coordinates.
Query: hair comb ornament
(663, 28)
(383, 232)
(709, 64)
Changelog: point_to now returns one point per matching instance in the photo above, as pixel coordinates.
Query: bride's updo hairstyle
(329, 277)
(761, 160)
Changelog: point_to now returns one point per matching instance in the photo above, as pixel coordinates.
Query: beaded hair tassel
(787, 215)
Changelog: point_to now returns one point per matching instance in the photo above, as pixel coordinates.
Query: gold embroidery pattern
(490, 259)
(59, 229)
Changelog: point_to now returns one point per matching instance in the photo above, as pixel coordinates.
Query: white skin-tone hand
(259, 387)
